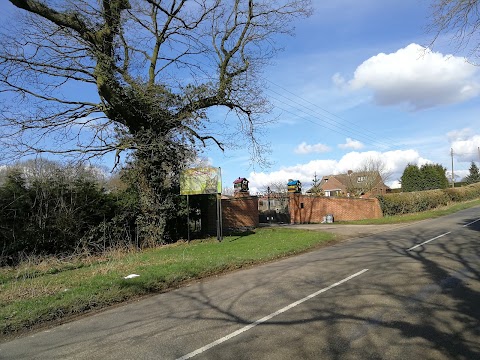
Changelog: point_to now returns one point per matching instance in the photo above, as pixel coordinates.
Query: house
(362, 183)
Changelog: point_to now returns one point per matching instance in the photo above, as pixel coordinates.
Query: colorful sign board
(201, 181)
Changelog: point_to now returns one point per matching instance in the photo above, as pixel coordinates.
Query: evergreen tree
(428, 177)
(433, 176)
(474, 175)
(411, 179)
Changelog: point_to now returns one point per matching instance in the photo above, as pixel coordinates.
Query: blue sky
(356, 82)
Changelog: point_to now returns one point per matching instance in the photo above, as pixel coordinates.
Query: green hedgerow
(412, 202)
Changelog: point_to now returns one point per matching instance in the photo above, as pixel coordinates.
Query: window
(361, 179)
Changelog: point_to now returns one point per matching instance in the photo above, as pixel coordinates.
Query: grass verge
(33, 294)
(430, 214)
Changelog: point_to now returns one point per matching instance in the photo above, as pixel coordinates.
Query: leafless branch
(154, 68)
(459, 20)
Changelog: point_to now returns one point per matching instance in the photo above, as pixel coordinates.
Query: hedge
(411, 202)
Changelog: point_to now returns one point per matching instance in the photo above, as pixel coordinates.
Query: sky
(356, 82)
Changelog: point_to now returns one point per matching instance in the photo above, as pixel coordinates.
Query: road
(409, 293)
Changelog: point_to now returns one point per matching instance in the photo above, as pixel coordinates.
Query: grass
(430, 214)
(34, 294)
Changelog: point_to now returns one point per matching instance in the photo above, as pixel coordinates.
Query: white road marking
(268, 317)
(425, 242)
(470, 223)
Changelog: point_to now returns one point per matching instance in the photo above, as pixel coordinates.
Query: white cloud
(415, 76)
(459, 174)
(465, 145)
(396, 184)
(462, 134)
(351, 144)
(395, 162)
(305, 148)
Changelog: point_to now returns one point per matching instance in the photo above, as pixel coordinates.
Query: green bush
(404, 203)
(48, 208)
(49, 212)
(411, 202)
(464, 193)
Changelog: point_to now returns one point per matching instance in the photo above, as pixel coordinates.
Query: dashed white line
(425, 242)
(268, 317)
(470, 223)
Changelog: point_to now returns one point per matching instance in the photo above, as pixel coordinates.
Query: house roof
(353, 179)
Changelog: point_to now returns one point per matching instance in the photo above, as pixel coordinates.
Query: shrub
(49, 213)
(464, 193)
(411, 202)
(47, 208)
(404, 203)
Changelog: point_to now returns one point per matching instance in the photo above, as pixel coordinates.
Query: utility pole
(453, 176)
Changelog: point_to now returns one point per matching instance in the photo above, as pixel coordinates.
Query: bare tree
(459, 19)
(277, 191)
(228, 191)
(91, 77)
(87, 77)
(276, 187)
(371, 173)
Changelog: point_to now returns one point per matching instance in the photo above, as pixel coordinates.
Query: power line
(311, 121)
(328, 120)
(362, 130)
(342, 129)
(365, 134)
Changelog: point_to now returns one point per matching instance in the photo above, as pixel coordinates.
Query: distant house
(366, 183)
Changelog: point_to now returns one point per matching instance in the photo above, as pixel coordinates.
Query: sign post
(203, 181)
(188, 219)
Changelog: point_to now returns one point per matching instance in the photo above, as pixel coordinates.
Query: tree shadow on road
(423, 303)
(420, 304)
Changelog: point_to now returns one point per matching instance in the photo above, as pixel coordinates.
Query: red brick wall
(342, 209)
(240, 212)
(237, 213)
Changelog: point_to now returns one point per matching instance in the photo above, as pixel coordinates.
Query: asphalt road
(408, 293)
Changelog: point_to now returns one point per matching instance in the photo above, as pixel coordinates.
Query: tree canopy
(474, 174)
(92, 77)
(87, 78)
(427, 177)
(459, 19)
